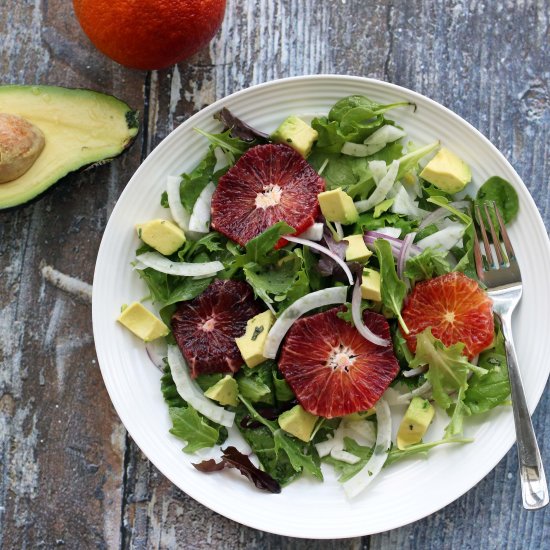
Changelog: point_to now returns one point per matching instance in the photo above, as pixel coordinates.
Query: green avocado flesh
(81, 127)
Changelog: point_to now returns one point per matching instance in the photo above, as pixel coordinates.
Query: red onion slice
(404, 253)
(363, 330)
(324, 250)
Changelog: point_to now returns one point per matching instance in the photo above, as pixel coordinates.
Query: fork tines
(503, 258)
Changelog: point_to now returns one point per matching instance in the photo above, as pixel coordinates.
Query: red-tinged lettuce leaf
(239, 128)
(211, 465)
(233, 458)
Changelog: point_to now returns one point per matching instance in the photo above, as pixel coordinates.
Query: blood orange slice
(205, 328)
(332, 369)
(268, 184)
(455, 308)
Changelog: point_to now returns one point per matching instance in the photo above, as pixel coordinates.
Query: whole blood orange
(149, 34)
(455, 308)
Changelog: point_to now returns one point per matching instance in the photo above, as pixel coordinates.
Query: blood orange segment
(268, 184)
(205, 328)
(455, 308)
(332, 369)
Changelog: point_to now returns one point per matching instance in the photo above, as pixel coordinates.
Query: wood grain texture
(69, 474)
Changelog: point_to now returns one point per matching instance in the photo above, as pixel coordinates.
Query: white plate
(406, 491)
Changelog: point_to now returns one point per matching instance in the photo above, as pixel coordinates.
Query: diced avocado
(251, 344)
(370, 285)
(298, 422)
(357, 250)
(142, 322)
(224, 391)
(296, 133)
(163, 235)
(80, 127)
(447, 171)
(337, 206)
(415, 423)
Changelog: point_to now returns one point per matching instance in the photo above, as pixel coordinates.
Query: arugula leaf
(169, 391)
(257, 384)
(188, 425)
(224, 140)
(281, 388)
(260, 249)
(444, 202)
(297, 452)
(367, 222)
(260, 439)
(273, 282)
(192, 184)
(501, 191)
(420, 449)
(426, 265)
(448, 368)
(393, 289)
(168, 289)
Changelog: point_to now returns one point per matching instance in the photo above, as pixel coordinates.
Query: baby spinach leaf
(282, 389)
(393, 289)
(169, 390)
(188, 425)
(501, 191)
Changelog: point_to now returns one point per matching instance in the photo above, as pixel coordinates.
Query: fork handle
(533, 481)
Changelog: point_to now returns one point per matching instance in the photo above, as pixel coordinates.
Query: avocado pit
(21, 143)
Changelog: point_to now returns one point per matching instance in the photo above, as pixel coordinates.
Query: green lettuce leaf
(393, 289)
(426, 265)
(420, 449)
(256, 384)
(188, 425)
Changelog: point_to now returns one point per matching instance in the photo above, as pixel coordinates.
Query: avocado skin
(109, 132)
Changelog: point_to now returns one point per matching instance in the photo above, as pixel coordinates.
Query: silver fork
(504, 287)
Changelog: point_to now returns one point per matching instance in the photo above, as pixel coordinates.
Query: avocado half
(81, 127)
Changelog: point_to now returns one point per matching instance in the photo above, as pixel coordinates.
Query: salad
(310, 280)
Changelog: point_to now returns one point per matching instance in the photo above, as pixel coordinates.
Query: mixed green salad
(309, 281)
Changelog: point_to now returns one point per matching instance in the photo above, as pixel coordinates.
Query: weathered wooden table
(69, 474)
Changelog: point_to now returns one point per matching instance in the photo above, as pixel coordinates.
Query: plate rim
(183, 128)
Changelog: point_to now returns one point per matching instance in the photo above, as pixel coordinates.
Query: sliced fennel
(362, 479)
(179, 213)
(324, 297)
(382, 188)
(200, 218)
(164, 265)
(444, 239)
(192, 394)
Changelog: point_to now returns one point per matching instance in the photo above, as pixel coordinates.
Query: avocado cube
(224, 391)
(357, 250)
(298, 422)
(415, 423)
(142, 322)
(370, 285)
(251, 344)
(337, 206)
(296, 133)
(162, 235)
(447, 172)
